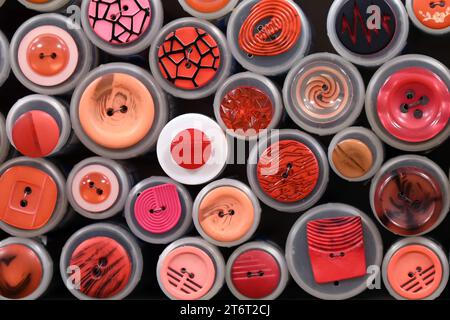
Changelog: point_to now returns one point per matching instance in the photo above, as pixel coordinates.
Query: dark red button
(414, 104)
(255, 274)
(35, 134)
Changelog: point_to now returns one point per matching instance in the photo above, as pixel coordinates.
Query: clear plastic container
(159, 210)
(208, 10)
(196, 74)
(102, 20)
(49, 55)
(97, 188)
(310, 262)
(4, 143)
(39, 126)
(409, 195)
(257, 270)
(226, 213)
(432, 17)
(407, 103)
(33, 201)
(264, 20)
(248, 104)
(355, 154)
(5, 67)
(323, 93)
(122, 124)
(368, 33)
(192, 149)
(49, 6)
(31, 257)
(113, 277)
(415, 269)
(288, 170)
(196, 267)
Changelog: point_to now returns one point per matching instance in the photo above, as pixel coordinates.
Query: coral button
(48, 55)
(35, 134)
(95, 187)
(414, 105)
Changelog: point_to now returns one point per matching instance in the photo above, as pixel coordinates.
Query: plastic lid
(29, 197)
(116, 110)
(413, 104)
(35, 134)
(45, 5)
(415, 272)
(432, 16)
(158, 209)
(48, 55)
(120, 22)
(189, 58)
(21, 271)
(255, 274)
(288, 171)
(352, 158)
(226, 214)
(105, 267)
(187, 273)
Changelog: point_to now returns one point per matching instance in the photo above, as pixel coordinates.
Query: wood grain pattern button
(352, 158)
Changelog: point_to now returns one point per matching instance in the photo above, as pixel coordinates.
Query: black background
(274, 225)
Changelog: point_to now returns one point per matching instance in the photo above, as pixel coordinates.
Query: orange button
(415, 272)
(207, 6)
(95, 188)
(20, 271)
(35, 134)
(48, 55)
(434, 14)
(28, 197)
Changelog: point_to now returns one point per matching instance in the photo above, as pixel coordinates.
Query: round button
(189, 58)
(408, 200)
(188, 273)
(116, 111)
(434, 14)
(35, 134)
(104, 265)
(288, 171)
(207, 6)
(20, 271)
(48, 55)
(28, 197)
(191, 149)
(352, 158)
(414, 272)
(226, 214)
(255, 274)
(246, 108)
(95, 187)
(413, 104)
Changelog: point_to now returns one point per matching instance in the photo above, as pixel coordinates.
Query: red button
(48, 55)
(35, 134)
(191, 149)
(414, 105)
(95, 187)
(255, 274)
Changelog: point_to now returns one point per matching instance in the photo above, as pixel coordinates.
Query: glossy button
(158, 209)
(288, 171)
(116, 111)
(255, 274)
(226, 214)
(414, 272)
(20, 271)
(414, 104)
(35, 134)
(434, 14)
(188, 273)
(105, 267)
(189, 58)
(48, 55)
(408, 200)
(207, 6)
(191, 149)
(95, 187)
(352, 158)
(28, 197)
